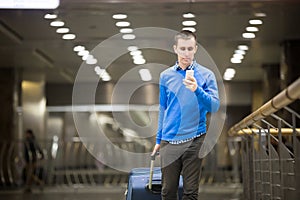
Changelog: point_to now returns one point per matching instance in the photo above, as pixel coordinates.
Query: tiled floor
(216, 192)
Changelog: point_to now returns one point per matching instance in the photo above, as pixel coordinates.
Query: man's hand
(190, 83)
(155, 149)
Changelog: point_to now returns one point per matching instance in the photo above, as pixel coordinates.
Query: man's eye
(191, 49)
(182, 49)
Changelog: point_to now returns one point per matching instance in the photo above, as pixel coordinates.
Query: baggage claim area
(80, 97)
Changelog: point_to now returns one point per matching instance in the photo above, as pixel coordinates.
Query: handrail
(285, 97)
(273, 131)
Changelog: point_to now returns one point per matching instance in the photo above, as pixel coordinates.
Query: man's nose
(186, 52)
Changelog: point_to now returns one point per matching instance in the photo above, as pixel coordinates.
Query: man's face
(185, 50)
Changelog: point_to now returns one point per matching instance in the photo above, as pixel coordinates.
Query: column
(271, 81)
(8, 103)
(34, 107)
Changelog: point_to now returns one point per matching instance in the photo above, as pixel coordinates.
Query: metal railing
(65, 163)
(69, 163)
(270, 148)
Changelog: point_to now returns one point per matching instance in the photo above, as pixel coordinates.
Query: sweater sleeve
(208, 96)
(162, 107)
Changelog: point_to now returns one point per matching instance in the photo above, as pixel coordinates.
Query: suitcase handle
(151, 170)
(155, 187)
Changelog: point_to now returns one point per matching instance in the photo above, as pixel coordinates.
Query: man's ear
(196, 48)
(175, 48)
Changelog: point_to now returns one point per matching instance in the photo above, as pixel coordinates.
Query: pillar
(8, 103)
(271, 81)
(34, 107)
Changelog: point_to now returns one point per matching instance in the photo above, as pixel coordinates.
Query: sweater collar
(177, 67)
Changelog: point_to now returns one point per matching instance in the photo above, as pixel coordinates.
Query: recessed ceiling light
(85, 57)
(98, 70)
(230, 70)
(242, 52)
(62, 30)
(255, 21)
(128, 37)
(91, 60)
(79, 48)
(189, 23)
(192, 29)
(69, 36)
(145, 74)
(139, 61)
(137, 57)
(50, 16)
(57, 23)
(188, 15)
(238, 56)
(132, 48)
(122, 24)
(235, 60)
(119, 16)
(229, 73)
(83, 53)
(260, 14)
(137, 52)
(104, 75)
(248, 35)
(126, 30)
(251, 29)
(243, 47)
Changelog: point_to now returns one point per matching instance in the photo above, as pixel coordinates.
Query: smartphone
(189, 73)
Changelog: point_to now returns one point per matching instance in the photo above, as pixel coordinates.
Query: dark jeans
(182, 159)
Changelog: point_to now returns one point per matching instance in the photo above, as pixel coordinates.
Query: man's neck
(184, 66)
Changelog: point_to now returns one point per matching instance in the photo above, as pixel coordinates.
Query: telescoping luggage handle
(151, 169)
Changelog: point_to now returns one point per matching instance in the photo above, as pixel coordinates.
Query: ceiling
(29, 45)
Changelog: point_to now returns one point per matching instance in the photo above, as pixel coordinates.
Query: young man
(184, 102)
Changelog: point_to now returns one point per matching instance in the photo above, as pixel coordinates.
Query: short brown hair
(184, 34)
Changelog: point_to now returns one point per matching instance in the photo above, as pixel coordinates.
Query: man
(184, 102)
(32, 152)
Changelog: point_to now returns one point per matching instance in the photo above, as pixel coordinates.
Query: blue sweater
(182, 113)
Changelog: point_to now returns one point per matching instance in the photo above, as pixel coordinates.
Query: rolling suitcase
(145, 183)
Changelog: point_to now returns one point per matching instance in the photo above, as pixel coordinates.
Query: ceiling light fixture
(136, 52)
(137, 57)
(105, 76)
(62, 30)
(188, 15)
(119, 16)
(126, 30)
(229, 74)
(57, 23)
(122, 24)
(128, 37)
(140, 61)
(189, 23)
(145, 74)
(192, 29)
(235, 60)
(251, 29)
(83, 53)
(78, 48)
(132, 48)
(248, 35)
(91, 60)
(243, 47)
(255, 22)
(238, 56)
(242, 52)
(85, 57)
(50, 16)
(260, 14)
(69, 36)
